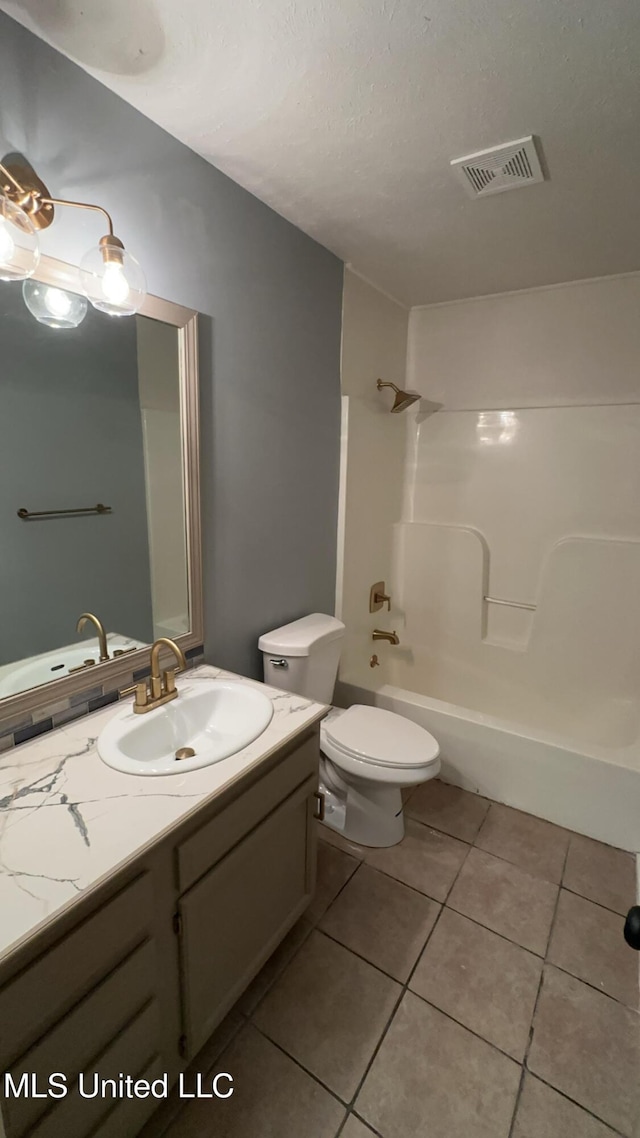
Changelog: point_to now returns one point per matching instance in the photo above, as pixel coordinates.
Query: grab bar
(99, 509)
(511, 604)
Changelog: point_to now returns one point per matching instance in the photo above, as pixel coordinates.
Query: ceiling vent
(500, 168)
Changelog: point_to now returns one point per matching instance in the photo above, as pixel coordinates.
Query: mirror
(98, 492)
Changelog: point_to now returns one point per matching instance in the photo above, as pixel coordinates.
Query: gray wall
(70, 435)
(270, 360)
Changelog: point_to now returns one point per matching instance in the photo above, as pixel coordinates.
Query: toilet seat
(377, 738)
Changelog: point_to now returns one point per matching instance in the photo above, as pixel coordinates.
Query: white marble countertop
(67, 820)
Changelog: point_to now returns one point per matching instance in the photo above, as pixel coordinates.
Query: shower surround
(524, 488)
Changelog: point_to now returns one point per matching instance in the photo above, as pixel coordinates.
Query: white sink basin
(215, 718)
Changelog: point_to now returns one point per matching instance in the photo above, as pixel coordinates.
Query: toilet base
(368, 815)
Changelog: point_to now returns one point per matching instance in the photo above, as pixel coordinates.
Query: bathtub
(593, 789)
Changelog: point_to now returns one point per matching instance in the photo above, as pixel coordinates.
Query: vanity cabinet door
(236, 915)
(211, 841)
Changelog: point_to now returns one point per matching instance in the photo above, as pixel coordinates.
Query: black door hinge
(182, 1046)
(177, 924)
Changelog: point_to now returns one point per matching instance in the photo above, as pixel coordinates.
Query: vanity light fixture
(109, 276)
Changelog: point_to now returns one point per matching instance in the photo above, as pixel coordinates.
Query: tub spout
(379, 634)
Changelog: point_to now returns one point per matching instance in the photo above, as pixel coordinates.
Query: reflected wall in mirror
(90, 416)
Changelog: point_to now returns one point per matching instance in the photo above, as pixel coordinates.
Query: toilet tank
(303, 656)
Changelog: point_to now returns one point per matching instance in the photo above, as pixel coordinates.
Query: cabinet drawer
(86, 1031)
(235, 916)
(128, 1117)
(213, 840)
(134, 1050)
(44, 991)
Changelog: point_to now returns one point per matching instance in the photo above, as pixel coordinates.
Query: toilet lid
(381, 736)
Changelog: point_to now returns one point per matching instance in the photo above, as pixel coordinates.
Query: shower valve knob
(378, 597)
(632, 927)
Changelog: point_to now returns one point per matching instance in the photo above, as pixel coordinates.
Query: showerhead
(403, 399)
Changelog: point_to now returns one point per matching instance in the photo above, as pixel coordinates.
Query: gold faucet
(378, 634)
(158, 689)
(102, 636)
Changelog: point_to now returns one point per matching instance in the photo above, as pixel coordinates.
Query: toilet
(368, 755)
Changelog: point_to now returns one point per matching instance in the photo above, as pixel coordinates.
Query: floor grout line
(574, 1102)
(525, 1057)
(315, 921)
(466, 1027)
(516, 1105)
(413, 888)
(300, 1064)
(364, 1122)
(365, 959)
(342, 1125)
(377, 1048)
(539, 955)
(352, 1114)
(621, 916)
(592, 987)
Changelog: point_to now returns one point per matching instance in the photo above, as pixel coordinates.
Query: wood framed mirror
(99, 489)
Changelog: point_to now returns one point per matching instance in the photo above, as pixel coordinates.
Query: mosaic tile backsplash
(20, 729)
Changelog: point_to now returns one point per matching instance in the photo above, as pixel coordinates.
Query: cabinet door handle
(319, 814)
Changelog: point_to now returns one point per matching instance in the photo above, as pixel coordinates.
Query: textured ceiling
(343, 115)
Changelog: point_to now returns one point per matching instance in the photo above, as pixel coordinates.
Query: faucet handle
(169, 679)
(378, 597)
(141, 692)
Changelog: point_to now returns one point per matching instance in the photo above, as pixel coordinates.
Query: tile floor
(472, 982)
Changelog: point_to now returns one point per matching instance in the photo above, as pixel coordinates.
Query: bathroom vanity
(135, 910)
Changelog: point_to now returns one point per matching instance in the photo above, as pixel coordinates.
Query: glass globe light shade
(113, 281)
(54, 307)
(19, 246)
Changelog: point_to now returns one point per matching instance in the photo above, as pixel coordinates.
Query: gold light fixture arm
(25, 189)
(14, 181)
(81, 205)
